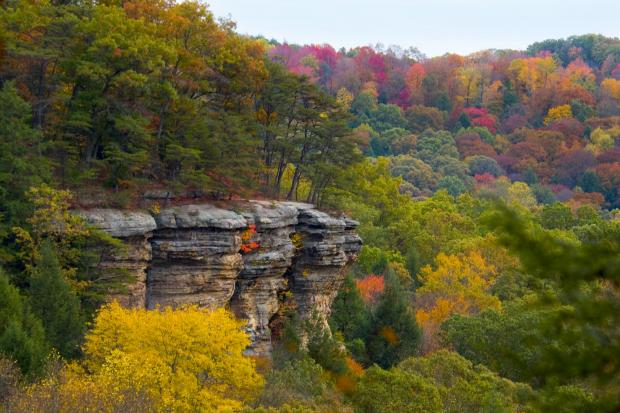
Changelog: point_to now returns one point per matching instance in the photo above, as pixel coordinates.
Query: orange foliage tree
(371, 287)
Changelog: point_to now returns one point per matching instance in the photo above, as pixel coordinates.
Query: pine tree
(395, 334)
(22, 337)
(54, 302)
(21, 162)
(351, 318)
(349, 313)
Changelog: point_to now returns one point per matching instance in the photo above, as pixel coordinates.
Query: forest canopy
(487, 188)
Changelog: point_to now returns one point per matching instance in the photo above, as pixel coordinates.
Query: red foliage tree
(371, 287)
(514, 122)
(571, 128)
(470, 144)
(609, 156)
(482, 117)
(484, 179)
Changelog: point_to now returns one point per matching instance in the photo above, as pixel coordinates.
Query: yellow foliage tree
(600, 141)
(520, 194)
(470, 79)
(492, 252)
(344, 97)
(53, 221)
(559, 112)
(70, 236)
(186, 360)
(532, 74)
(459, 284)
(611, 87)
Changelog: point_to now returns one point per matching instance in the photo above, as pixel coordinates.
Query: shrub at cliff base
(184, 360)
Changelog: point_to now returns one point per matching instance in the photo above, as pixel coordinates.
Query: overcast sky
(434, 26)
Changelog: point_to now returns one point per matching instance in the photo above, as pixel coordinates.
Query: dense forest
(487, 187)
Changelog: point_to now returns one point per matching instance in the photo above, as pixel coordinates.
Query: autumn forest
(486, 188)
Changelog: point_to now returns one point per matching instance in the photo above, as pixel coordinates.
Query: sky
(433, 26)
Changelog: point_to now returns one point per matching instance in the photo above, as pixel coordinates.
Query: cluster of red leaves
(616, 72)
(371, 287)
(484, 179)
(247, 245)
(481, 117)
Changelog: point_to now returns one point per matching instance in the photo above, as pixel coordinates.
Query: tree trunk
(295, 184)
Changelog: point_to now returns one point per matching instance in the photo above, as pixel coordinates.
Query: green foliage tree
(414, 171)
(480, 164)
(510, 342)
(466, 387)
(55, 303)
(351, 317)
(394, 334)
(386, 117)
(362, 106)
(300, 383)
(304, 128)
(421, 118)
(557, 216)
(433, 144)
(544, 195)
(323, 347)
(590, 182)
(22, 163)
(452, 184)
(22, 337)
(585, 276)
(387, 391)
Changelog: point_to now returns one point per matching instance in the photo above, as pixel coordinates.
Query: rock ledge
(243, 257)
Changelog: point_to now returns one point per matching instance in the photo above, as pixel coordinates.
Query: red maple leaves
(247, 244)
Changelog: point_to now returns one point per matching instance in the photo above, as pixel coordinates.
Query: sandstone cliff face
(262, 275)
(131, 262)
(198, 254)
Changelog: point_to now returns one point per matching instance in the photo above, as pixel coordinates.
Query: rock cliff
(244, 256)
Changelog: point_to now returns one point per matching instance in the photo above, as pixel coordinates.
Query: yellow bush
(558, 112)
(186, 360)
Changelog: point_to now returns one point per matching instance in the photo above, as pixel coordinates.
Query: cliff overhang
(244, 256)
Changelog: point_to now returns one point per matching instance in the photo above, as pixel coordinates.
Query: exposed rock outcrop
(243, 257)
(316, 274)
(262, 276)
(196, 256)
(129, 264)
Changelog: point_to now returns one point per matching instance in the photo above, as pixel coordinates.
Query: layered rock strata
(196, 256)
(262, 276)
(316, 275)
(242, 257)
(128, 264)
